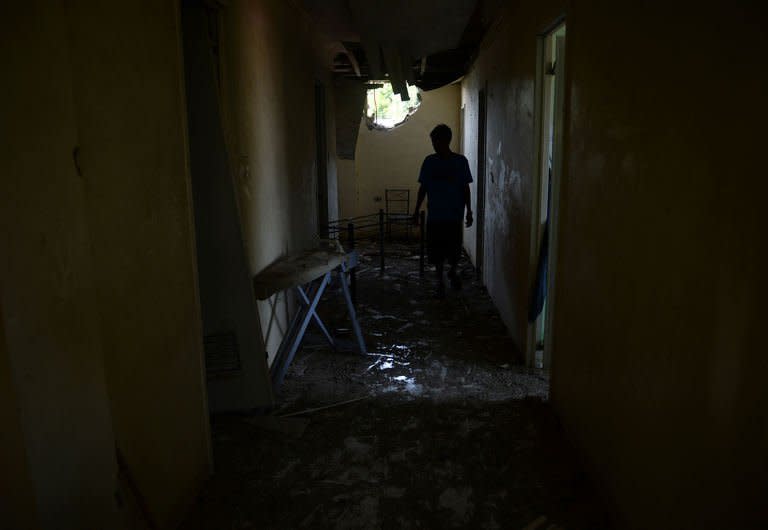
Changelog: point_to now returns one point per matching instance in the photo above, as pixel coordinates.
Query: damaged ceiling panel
(428, 43)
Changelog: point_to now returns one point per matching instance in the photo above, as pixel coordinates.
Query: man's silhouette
(444, 179)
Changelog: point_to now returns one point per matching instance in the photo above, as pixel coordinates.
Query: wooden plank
(298, 269)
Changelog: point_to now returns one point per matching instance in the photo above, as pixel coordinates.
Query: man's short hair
(441, 132)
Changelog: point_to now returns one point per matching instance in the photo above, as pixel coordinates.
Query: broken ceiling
(427, 43)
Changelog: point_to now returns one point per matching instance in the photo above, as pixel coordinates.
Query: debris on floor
(438, 426)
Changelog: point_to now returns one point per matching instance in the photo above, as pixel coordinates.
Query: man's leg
(454, 276)
(453, 259)
(439, 273)
(453, 262)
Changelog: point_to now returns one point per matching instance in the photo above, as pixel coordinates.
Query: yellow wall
(99, 284)
(392, 158)
(273, 56)
(658, 368)
(100, 301)
(132, 131)
(659, 363)
(52, 344)
(17, 498)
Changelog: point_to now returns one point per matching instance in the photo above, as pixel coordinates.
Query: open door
(550, 108)
(236, 364)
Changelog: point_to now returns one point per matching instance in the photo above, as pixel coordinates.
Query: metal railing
(377, 226)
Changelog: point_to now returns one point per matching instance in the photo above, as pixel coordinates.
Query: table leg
(319, 322)
(280, 374)
(351, 309)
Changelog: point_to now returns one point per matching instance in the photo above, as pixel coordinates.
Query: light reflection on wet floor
(418, 347)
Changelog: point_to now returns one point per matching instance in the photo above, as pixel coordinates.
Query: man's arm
(467, 193)
(468, 204)
(419, 200)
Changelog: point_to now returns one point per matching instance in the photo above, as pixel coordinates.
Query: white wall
(392, 158)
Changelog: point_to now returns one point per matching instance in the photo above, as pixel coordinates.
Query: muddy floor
(438, 426)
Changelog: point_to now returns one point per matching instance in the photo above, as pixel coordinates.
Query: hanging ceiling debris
(427, 43)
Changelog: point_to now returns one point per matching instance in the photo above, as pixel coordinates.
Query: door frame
(482, 139)
(536, 230)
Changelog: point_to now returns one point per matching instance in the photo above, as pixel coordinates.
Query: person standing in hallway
(444, 180)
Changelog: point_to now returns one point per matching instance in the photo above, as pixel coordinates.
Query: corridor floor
(439, 426)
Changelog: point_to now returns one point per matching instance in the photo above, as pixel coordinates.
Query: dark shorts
(444, 241)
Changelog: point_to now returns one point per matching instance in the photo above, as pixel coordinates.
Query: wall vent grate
(222, 354)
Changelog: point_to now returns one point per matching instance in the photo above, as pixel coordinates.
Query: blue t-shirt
(444, 180)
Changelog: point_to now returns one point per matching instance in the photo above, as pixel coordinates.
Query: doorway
(550, 106)
(480, 199)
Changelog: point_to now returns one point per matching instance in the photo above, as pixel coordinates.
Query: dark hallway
(195, 197)
(437, 427)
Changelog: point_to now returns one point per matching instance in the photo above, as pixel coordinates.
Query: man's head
(441, 139)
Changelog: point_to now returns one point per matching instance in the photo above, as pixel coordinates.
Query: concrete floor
(442, 427)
